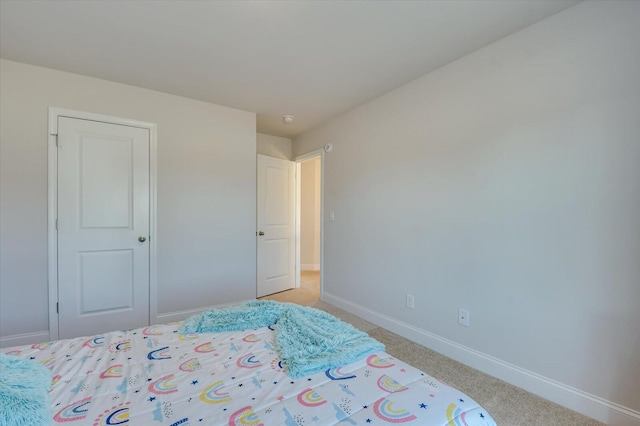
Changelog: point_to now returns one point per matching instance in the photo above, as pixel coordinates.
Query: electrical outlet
(410, 301)
(463, 317)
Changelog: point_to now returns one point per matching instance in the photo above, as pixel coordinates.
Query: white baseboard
(24, 339)
(182, 315)
(309, 266)
(582, 402)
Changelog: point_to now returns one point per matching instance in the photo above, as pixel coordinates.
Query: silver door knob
(142, 239)
(261, 233)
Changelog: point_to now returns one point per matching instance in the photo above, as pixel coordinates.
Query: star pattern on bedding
(185, 380)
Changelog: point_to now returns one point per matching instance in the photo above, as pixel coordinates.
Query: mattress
(157, 376)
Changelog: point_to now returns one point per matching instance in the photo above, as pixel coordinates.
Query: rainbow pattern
(337, 374)
(251, 338)
(244, 416)
(310, 398)
(383, 408)
(121, 346)
(48, 362)
(388, 384)
(213, 395)
(159, 354)
(112, 372)
(248, 361)
(40, 346)
(455, 416)
(190, 365)
(157, 376)
(376, 362)
(55, 380)
(276, 364)
(205, 347)
(185, 337)
(74, 411)
(117, 415)
(152, 330)
(94, 342)
(164, 385)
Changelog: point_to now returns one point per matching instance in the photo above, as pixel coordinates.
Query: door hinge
(56, 224)
(57, 307)
(57, 143)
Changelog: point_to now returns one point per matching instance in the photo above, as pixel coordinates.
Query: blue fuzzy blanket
(24, 392)
(307, 340)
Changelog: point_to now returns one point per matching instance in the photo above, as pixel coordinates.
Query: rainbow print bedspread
(156, 376)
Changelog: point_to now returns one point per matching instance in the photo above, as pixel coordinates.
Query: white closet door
(103, 227)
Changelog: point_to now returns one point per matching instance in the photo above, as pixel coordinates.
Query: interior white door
(276, 225)
(103, 227)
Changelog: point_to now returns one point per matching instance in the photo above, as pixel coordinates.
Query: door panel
(276, 258)
(105, 280)
(276, 219)
(106, 182)
(103, 208)
(277, 196)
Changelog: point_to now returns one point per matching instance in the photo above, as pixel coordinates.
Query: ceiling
(312, 59)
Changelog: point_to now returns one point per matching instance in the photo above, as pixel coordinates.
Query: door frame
(298, 160)
(52, 205)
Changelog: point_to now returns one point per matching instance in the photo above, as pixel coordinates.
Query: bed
(158, 376)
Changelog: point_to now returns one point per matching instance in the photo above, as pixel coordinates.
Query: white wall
(206, 192)
(507, 183)
(274, 146)
(310, 185)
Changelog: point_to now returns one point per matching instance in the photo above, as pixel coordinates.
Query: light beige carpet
(306, 295)
(509, 405)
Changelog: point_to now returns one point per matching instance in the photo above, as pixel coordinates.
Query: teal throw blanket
(24, 392)
(307, 340)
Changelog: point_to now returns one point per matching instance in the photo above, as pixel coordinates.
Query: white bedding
(156, 376)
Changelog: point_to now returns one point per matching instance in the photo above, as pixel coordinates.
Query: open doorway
(310, 225)
(309, 202)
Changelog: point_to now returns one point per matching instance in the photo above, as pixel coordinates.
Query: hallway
(308, 293)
